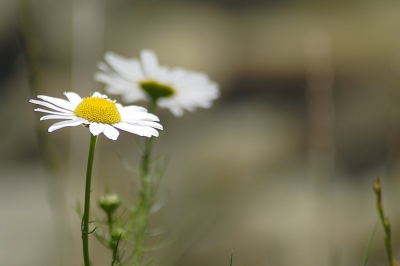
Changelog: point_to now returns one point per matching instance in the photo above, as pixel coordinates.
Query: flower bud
(109, 202)
(118, 233)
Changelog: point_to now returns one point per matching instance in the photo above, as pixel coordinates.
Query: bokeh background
(279, 171)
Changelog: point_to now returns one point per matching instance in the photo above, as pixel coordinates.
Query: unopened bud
(118, 233)
(377, 186)
(109, 202)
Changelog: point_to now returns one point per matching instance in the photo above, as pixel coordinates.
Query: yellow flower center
(98, 110)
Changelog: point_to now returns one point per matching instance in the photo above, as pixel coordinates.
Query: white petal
(137, 117)
(149, 63)
(47, 117)
(133, 97)
(175, 108)
(110, 132)
(176, 111)
(128, 68)
(70, 123)
(49, 105)
(96, 128)
(116, 81)
(54, 113)
(74, 98)
(138, 130)
(103, 67)
(99, 95)
(58, 102)
(132, 109)
(147, 123)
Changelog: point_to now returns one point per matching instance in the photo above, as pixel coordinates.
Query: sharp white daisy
(99, 113)
(174, 88)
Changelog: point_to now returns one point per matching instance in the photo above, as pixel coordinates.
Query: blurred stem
(115, 257)
(368, 251)
(85, 220)
(142, 213)
(30, 43)
(114, 245)
(110, 223)
(385, 222)
(32, 53)
(153, 106)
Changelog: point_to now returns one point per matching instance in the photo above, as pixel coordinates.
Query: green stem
(85, 221)
(110, 223)
(385, 222)
(30, 44)
(368, 251)
(142, 213)
(144, 204)
(153, 107)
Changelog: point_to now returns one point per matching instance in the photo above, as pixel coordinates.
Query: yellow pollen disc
(98, 110)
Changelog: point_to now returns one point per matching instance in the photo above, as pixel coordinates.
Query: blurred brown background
(279, 171)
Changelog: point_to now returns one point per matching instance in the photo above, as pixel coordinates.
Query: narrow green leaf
(367, 252)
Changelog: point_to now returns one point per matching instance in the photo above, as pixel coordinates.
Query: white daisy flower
(174, 88)
(99, 113)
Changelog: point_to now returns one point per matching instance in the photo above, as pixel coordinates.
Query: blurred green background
(279, 171)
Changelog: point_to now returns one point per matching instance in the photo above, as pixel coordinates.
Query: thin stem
(30, 44)
(109, 223)
(115, 257)
(114, 244)
(145, 202)
(153, 107)
(85, 221)
(385, 222)
(142, 213)
(368, 251)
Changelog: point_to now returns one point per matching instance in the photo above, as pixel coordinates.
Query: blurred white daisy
(99, 113)
(174, 88)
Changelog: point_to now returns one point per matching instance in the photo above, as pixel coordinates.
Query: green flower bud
(109, 202)
(117, 232)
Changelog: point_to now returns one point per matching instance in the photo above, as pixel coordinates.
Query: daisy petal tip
(109, 53)
(111, 132)
(113, 138)
(148, 51)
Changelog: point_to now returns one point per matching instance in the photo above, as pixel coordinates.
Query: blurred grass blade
(370, 244)
(231, 258)
(115, 252)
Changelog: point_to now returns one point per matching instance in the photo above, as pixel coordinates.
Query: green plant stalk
(115, 257)
(30, 44)
(142, 214)
(86, 211)
(114, 246)
(385, 222)
(109, 223)
(368, 251)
